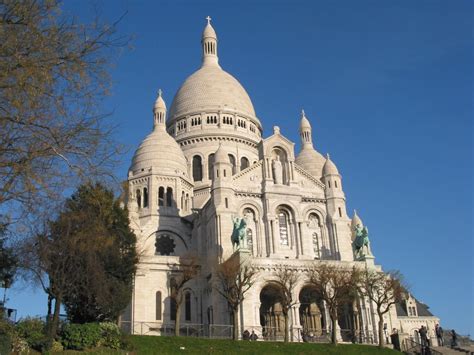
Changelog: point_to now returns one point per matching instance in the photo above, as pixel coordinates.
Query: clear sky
(387, 86)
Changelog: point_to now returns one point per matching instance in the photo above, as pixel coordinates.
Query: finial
(160, 92)
(328, 157)
(208, 18)
(355, 212)
(302, 113)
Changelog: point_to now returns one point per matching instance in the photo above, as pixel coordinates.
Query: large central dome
(211, 88)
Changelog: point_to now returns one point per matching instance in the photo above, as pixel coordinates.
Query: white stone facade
(207, 163)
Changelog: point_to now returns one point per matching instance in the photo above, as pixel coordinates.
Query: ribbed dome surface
(311, 161)
(161, 152)
(211, 89)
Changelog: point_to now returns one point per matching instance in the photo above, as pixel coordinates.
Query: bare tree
(383, 289)
(186, 271)
(336, 285)
(286, 279)
(234, 279)
(53, 76)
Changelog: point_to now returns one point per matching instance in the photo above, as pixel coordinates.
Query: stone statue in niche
(277, 171)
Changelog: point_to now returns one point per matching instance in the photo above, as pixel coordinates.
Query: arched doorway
(312, 317)
(272, 319)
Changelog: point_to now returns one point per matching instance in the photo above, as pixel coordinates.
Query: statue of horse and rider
(361, 243)
(239, 232)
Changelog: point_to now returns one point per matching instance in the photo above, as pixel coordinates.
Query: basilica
(206, 166)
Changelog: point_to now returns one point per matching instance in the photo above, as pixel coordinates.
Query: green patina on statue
(238, 233)
(361, 241)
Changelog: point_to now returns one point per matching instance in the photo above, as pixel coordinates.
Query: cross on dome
(208, 18)
(160, 92)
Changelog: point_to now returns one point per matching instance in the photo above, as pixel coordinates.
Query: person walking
(439, 335)
(454, 339)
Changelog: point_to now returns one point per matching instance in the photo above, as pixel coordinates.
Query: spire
(159, 112)
(329, 167)
(209, 45)
(305, 131)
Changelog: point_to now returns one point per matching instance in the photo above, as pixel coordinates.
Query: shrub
(56, 347)
(32, 330)
(81, 336)
(111, 335)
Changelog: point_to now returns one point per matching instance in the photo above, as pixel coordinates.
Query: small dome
(304, 123)
(209, 32)
(221, 155)
(329, 167)
(161, 152)
(211, 89)
(159, 103)
(356, 221)
(311, 161)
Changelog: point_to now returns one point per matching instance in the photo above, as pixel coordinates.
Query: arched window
(169, 197)
(232, 162)
(210, 165)
(317, 254)
(244, 163)
(161, 196)
(187, 306)
(197, 168)
(186, 202)
(283, 222)
(182, 200)
(158, 305)
(145, 197)
(139, 198)
(249, 238)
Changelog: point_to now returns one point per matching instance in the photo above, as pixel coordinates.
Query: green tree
(8, 263)
(53, 76)
(106, 256)
(86, 259)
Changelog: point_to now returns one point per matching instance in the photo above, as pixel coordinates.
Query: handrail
(423, 349)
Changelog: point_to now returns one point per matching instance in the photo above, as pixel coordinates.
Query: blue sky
(387, 86)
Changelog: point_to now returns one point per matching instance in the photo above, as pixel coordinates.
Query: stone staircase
(458, 351)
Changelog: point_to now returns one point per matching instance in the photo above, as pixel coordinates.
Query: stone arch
(311, 311)
(271, 315)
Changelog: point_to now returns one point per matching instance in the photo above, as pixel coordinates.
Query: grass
(188, 345)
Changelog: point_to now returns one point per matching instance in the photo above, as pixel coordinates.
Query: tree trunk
(54, 322)
(287, 327)
(334, 329)
(235, 323)
(381, 334)
(178, 319)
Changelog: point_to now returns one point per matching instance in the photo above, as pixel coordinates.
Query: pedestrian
(395, 339)
(246, 335)
(439, 335)
(454, 339)
(423, 336)
(253, 336)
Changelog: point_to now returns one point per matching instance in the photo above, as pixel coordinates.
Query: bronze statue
(238, 233)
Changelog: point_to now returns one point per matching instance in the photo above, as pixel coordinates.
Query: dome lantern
(159, 112)
(209, 45)
(305, 131)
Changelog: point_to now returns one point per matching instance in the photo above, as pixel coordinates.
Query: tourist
(454, 339)
(439, 335)
(253, 336)
(246, 335)
(423, 336)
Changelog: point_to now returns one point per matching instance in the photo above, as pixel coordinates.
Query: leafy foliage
(8, 260)
(103, 254)
(111, 335)
(32, 330)
(81, 336)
